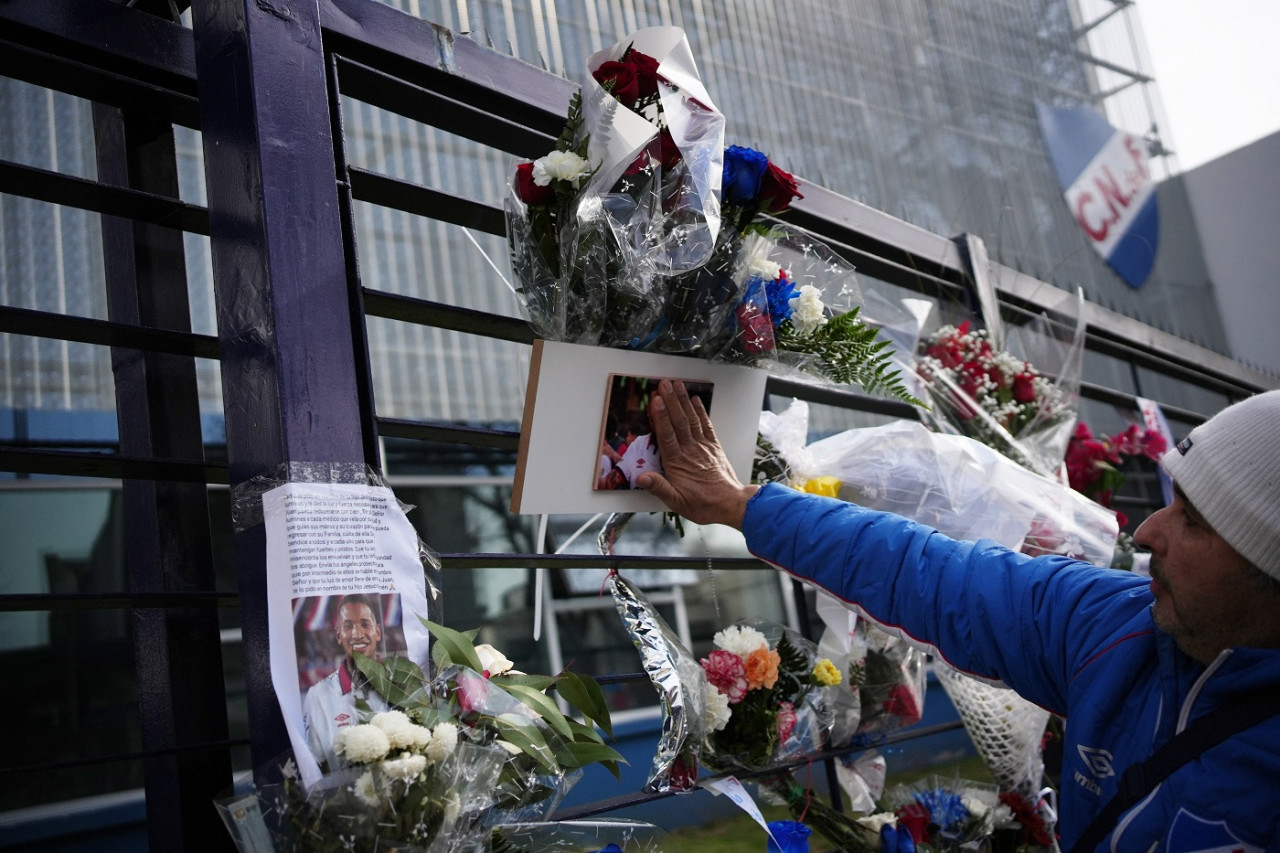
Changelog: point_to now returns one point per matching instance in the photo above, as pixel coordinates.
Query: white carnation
(362, 744)
(366, 791)
(560, 166)
(716, 709)
(444, 739)
(742, 640)
(807, 311)
(765, 268)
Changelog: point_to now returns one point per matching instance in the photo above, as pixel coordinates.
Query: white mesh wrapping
(1005, 728)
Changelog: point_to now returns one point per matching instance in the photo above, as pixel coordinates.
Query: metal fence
(263, 82)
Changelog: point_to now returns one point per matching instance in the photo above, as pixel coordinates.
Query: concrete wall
(1235, 200)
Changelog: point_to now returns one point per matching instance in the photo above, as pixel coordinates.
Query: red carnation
(528, 191)
(756, 328)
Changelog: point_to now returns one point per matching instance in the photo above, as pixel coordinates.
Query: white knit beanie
(1229, 468)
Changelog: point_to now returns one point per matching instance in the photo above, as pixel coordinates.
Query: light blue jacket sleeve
(1030, 623)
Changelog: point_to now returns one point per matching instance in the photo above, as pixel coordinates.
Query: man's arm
(697, 480)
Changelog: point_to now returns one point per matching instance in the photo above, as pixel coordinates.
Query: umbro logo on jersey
(1097, 760)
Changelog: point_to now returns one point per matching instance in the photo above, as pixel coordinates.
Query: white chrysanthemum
(403, 732)
(365, 790)
(406, 768)
(765, 268)
(362, 744)
(742, 640)
(976, 807)
(560, 166)
(452, 807)
(716, 711)
(879, 820)
(492, 661)
(1003, 817)
(807, 311)
(444, 739)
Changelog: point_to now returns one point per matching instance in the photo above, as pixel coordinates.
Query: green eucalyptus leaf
(590, 753)
(585, 695)
(458, 647)
(543, 705)
(537, 682)
(394, 679)
(583, 732)
(522, 732)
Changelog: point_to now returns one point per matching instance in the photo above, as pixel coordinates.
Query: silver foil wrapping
(678, 677)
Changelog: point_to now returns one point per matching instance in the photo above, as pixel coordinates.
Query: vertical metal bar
(177, 653)
(290, 382)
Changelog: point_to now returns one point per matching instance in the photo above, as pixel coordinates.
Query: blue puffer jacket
(1074, 639)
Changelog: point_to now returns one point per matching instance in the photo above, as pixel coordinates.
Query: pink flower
(786, 720)
(727, 674)
(473, 691)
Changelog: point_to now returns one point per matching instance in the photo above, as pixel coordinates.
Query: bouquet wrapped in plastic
(1022, 408)
(628, 197)
(956, 814)
(476, 746)
(641, 231)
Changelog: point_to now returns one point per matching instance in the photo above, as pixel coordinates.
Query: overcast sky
(1217, 67)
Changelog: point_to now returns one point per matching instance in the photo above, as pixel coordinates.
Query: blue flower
(611, 848)
(779, 293)
(744, 168)
(791, 837)
(895, 839)
(945, 808)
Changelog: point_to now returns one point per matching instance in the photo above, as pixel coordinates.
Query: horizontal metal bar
(455, 433)
(431, 107)
(840, 396)
(57, 188)
(110, 466)
(108, 35)
(94, 83)
(431, 56)
(34, 602)
(393, 306)
(592, 561)
(116, 758)
(85, 330)
(414, 198)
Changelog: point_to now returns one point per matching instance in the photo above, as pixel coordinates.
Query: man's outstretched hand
(697, 481)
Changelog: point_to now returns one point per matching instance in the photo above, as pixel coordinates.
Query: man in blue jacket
(1129, 661)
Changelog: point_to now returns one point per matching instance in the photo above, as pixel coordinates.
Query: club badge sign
(1107, 185)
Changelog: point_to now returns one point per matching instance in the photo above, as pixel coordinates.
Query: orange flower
(762, 668)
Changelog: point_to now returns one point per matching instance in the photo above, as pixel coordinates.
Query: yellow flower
(825, 672)
(826, 486)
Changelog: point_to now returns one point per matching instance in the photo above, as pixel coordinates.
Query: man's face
(358, 631)
(1206, 595)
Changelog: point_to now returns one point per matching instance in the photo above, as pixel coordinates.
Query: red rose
(619, 78)
(664, 150)
(529, 192)
(1024, 391)
(645, 68)
(777, 190)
